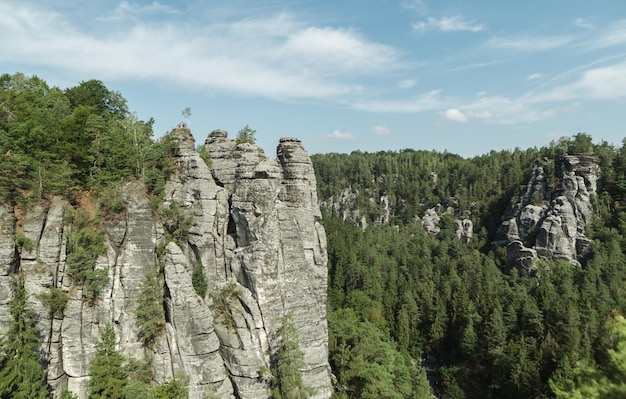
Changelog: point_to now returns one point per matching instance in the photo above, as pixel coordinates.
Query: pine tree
(108, 374)
(150, 316)
(289, 384)
(21, 374)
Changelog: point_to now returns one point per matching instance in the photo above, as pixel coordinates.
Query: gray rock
(430, 221)
(464, 230)
(556, 228)
(256, 224)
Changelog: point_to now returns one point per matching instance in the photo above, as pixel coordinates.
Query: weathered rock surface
(255, 233)
(546, 223)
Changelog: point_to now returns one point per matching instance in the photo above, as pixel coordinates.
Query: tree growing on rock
(246, 135)
(108, 376)
(288, 383)
(21, 374)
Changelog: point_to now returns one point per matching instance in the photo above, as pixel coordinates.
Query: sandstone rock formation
(546, 223)
(255, 232)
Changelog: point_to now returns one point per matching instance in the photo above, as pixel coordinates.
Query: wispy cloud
(598, 83)
(614, 35)
(530, 43)
(608, 82)
(534, 76)
(337, 135)
(448, 24)
(275, 56)
(425, 102)
(465, 67)
(381, 130)
(407, 83)
(126, 10)
(456, 115)
(582, 23)
(416, 5)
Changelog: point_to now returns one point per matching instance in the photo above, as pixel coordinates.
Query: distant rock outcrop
(548, 223)
(255, 233)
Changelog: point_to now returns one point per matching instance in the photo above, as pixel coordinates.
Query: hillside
(158, 268)
(129, 268)
(502, 272)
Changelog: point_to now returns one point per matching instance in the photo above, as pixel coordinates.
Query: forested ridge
(396, 292)
(80, 143)
(400, 301)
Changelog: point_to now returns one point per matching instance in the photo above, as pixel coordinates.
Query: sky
(465, 77)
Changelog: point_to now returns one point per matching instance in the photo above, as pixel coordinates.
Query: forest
(410, 314)
(396, 292)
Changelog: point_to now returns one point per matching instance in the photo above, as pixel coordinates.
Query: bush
(177, 225)
(199, 280)
(54, 300)
(150, 314)
(228, 293)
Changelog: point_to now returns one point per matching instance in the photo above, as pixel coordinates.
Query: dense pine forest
(402, 303)
(398, 295)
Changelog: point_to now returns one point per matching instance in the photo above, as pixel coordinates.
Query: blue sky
(461, 76)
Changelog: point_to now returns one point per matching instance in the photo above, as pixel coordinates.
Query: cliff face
(255, 232)
(546, 223)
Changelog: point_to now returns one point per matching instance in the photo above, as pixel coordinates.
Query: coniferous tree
(289, 384)
(21, 374)
(150, 315)
(108, 375)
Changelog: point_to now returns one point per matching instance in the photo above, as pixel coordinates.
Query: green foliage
(367, 364)
(55, 142)
(108, 376)
(289, 362)
(111, 204)
(149, 311)
(54, 300)
(589, 381)
(176, 388)
(206, 156)
(246, 135)
(581, 143)
(198, 279)
(21, 375)
(222, 299)
(177, 225)
(114, 376)
(86, 243)
(68, 395)
(413, 295)
(23, 242)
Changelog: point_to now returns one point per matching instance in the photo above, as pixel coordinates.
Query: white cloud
(425, 102)
(531, 43)
(337, 135)
(333, 49)
(614, 35)
(126, 10)
(381, 130)
(448, 24)
(275, 57)
(478, 114)
(607, 82)
(455, 115)
(416, 5)
(483, 64)
(583, 23)
(407, 83)
(534, 76)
